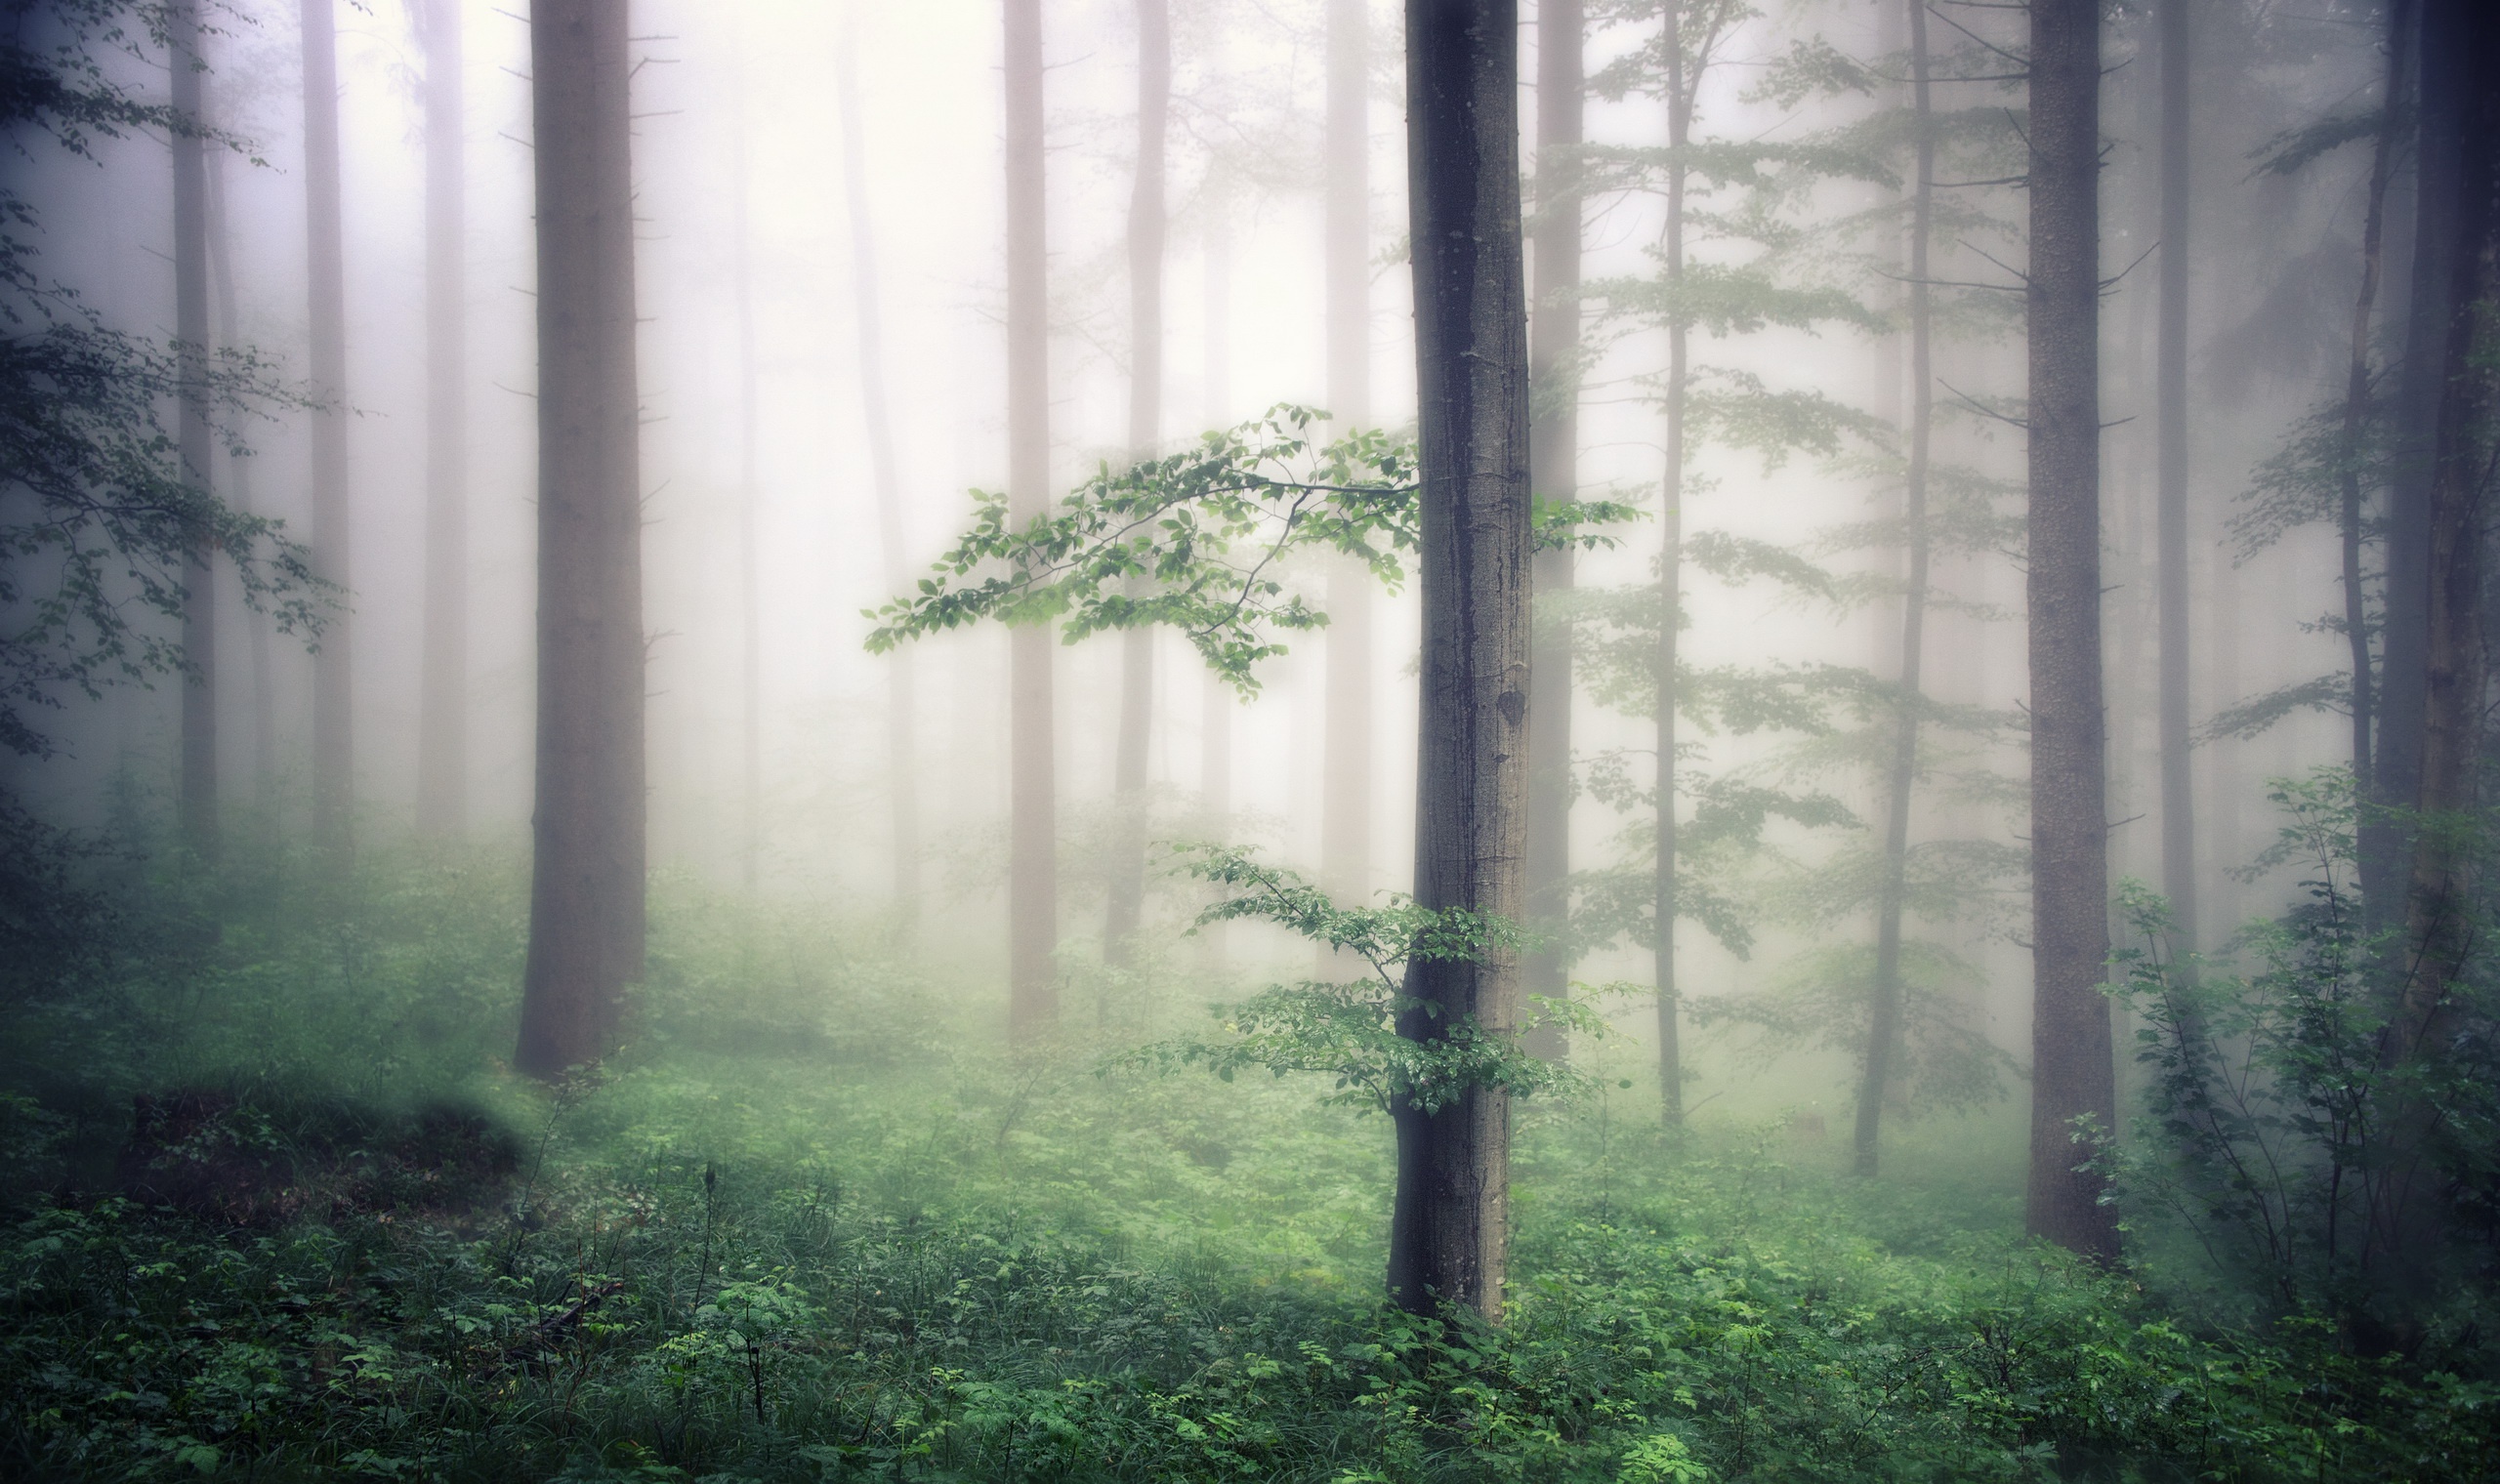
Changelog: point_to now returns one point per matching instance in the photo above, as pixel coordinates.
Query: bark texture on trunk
(1032, 865)
(1346, 747)
(586, 904)
(1147, 230)
(195, 441)
(1884, 1009)
(1449, 1224)
(1554, 474)
(868, 311)
(334, 663)
(2072, 1072)
(443, 701)
(2177, 790)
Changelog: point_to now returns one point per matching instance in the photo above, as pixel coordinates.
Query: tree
(1147, 229)
(2178, 788)
(750, 535)
(1344, 786)
(2073, 1079)
(333, 511)
(1448, 1227)
(1554, 460)
(195, 441)
(443, 701)
(587, 878)
(1032, 871)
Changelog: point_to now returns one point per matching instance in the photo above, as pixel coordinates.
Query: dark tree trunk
(1662, 907)
(442, 702)
(2177, 790)
(2072, 1073)
(1033, 868)
(238, 486)
(1449, 1225)
(586, 902)
(334, 664)
(902, 705)
(1554, 474)
(1884, 1011)
(1346, 747)
(1147, 228)
(195, 441)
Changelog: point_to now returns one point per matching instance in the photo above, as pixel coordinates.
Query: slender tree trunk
(1215, 741)
(195, 441)
(442, 702)
(334, 665)
(901, 760)
(2357, 382)
(1448, 1233)
(1662, 907)
(2072, 1072)
(1884, 1012)
(1554, 474)
(587, 881)
(238, 485)
(1147, 228)
(750, 552)
(1033, 869)
(1346, 747)
(2178, 789)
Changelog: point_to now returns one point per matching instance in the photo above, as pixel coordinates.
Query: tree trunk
(239, 485)
(1346, 747)
(1218, 701)
(901, 760)
(334, 663)
(2072, 1074)
(1449, 1225)
(750, 551)
(442, 703)
(2178, 789)
(195, 441)
(586, 900)
(1554, 474)
(1884, 1011)
(1147, 228)
(1680, 106)
(1032, 867)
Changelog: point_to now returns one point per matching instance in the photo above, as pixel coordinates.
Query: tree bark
(587, 881)
(1884, 1011)
(334, 661)
(442, 702)
(2178, 789)
(1679, 109)
(195, 441)
(1449, 1224)
(901, 703)
(2072, 1074)
(1554, 474)
(1346, 746)
(1033, 868)
(1147, 229)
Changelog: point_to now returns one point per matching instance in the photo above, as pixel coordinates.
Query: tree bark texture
(1345, 745)
(334, 663)
(1147, 229)
(2170, 354)
(868, 314)
(1554, 474)
(2072, 1072)
(443, 701)
(587, 881)
(1032, 867)
(1449, 1224)
(1884, 1008)
(195, 441)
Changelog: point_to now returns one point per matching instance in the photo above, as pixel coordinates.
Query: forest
(1598, 741)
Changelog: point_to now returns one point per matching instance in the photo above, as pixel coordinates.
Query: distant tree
(333, 510)
(1032, 869)
(2176, 725)
(196, 440)
(587, 873)
(1346, 743)
(442, 697)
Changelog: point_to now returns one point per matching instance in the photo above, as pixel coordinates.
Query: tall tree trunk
(238, 485)
(750, 552)
(902, 703)
(1147, 228)
(2356, 381)
(1554, 474)
(195, 441)
(1884, 1011)
(334, 665)
(1448, 1231)
(587, 879)
(1346, 747)
(1033, 868)
(2178, 789)
(1679, 107)
(2072, 1073)
(1215, 741)
(442, 702)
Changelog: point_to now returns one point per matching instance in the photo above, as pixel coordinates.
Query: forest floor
(277, 1214)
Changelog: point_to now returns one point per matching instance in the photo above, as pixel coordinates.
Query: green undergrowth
(815, 1225)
